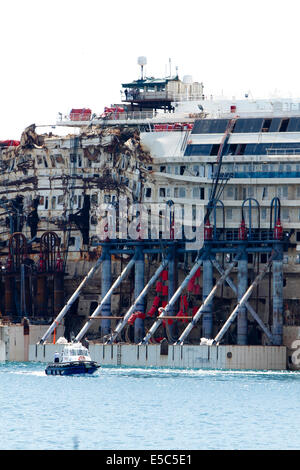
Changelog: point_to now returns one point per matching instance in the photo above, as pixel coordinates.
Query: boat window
(214, 149)
(94, 198)
(241, 149)
(232, 149)
(59, 158)
(266, 125)
(196, 170)
(284, 124)
(198, 193)
(181, 192)
(72, 241)
(147, 192)
(73, 158)
(60, 199)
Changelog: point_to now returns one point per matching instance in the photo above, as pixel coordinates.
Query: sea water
(134, 408)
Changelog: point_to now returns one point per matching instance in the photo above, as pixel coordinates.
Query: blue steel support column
(207, 320)
(277, 326)
(105, 286)
(139, 273)
(242, 319)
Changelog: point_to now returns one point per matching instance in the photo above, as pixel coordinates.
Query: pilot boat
(75, 359)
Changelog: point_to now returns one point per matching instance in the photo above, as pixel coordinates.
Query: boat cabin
(75, 352)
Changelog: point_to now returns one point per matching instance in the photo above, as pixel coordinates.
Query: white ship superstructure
(165, 142)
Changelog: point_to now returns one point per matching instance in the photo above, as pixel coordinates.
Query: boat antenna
(142, 60)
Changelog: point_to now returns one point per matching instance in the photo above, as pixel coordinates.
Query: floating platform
(231, 357)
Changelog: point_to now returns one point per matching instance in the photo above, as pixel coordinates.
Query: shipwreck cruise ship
(165, 143)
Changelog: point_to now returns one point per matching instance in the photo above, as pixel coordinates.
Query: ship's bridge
(160, 93)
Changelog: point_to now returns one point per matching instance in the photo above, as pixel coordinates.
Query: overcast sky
(60, 54)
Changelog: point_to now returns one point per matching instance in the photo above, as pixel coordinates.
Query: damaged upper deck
(50, 182)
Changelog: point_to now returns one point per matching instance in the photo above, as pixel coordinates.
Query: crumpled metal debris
(30, 139)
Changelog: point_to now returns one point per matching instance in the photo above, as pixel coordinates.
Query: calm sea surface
(126, 408)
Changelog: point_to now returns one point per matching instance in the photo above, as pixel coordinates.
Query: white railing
(161, 96)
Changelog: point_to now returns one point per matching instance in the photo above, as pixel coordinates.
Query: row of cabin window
(75, 160)
(243, 149)
(188, 170)
(76, 200)
(286, 214)
(247, 125)
(261, 167)
(199, 170)
(57, 201)
(197, 193)
(233, 192)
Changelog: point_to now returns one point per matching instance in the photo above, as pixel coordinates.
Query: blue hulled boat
(74, 359)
